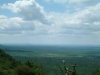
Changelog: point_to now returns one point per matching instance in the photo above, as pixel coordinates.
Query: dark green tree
(24, 70)
(97, 72)
(9, 66)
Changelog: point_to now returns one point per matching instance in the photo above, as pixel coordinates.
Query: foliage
(24, 70)
(86, 57)
(97, 72)
(9, 66)
(7, 61)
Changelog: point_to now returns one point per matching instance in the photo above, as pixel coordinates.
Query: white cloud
(14, 25)
(74, 1)
(29, 9)
(52, 27)
(82, 1)
(84, 22)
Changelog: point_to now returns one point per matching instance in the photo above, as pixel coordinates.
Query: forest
(48, 60)
(10, 66)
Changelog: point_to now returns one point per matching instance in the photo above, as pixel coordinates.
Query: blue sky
(50, 22)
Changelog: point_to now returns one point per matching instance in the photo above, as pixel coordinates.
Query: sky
(50, 22)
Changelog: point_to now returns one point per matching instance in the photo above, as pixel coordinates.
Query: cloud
(36, 21)
(14, 25)
(84, 22)
(79, 24)
(82, 1)
(73, 1)
(18, 26)
(29, 9)
(72, 5)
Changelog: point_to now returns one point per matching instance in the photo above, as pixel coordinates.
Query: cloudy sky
(50, 21)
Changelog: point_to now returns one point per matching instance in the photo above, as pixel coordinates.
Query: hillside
(7, 63)
(9, 66)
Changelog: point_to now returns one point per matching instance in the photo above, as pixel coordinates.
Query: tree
(9, 66)
(97, 72)
(24, 70)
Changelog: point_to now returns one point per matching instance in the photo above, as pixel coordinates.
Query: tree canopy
(9, 66)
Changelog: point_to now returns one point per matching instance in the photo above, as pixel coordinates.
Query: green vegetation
(50, 57)
(9, 66)
(97, 72)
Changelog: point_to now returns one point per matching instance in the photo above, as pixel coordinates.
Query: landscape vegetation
(49, 37)
(49, 59)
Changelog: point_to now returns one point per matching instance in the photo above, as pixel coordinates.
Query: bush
(23, 70)
(97, 72)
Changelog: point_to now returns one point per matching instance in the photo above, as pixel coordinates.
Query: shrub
(23, 70)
